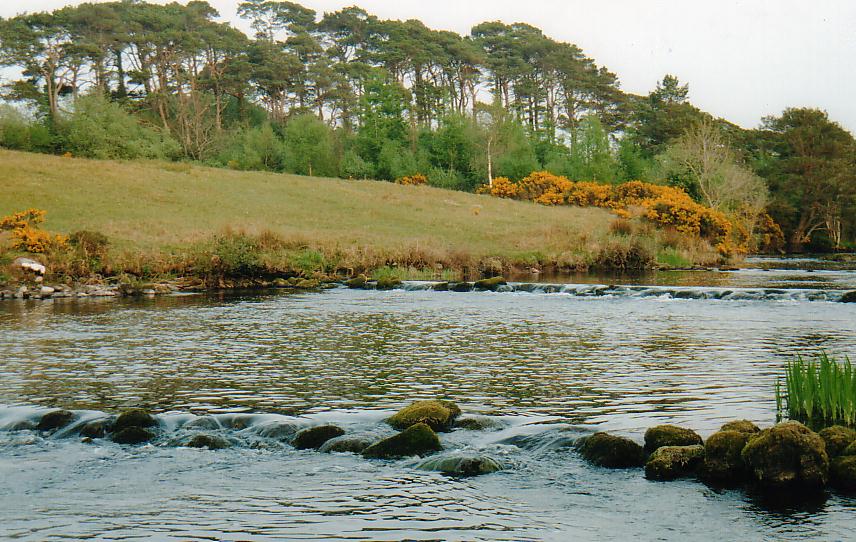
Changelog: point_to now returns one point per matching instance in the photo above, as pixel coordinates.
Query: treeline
(347, 94)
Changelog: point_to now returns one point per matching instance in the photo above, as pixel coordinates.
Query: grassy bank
(164, 217)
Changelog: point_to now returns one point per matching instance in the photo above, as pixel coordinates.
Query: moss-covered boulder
(837, 438)
(96, 428)
(461, 286)
(135, 417)
(132, 435)
(307, 284)
(417, 439)
(491, 284)
(849, 297)
(388, 283)
(354, 444)
(55, 419)
(669, 435)
(743, 426)
(440, 287)
(437, 414)
(478, 423)
(673, 462)
(205, 440)
(788, 455)
(357, 282)
(610, 451)
(723, 464)
(842, 472)
(461, 464)
(314, 437)
(850, 449)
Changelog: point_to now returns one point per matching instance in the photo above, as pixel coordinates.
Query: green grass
(818, 390)
(671, 257)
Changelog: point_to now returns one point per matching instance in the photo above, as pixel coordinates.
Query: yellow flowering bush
(26, 234)
(412, 180)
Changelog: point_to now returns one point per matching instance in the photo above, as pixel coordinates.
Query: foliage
(20, 133)
(310, 147)
(820, 389)
(412, 180)
(26, 234)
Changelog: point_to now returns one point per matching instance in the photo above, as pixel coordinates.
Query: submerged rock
(611, 451)
(669, 435)
(132, 435)
(357, 282)
(354, 444)
(314, 437)
(491, 284)
(440, 287)
(848, 297)
(788, 455)
(461, 464)
(842, 472)
(437, 414)
(135, 417)
(281, 431)
(54, 420)
(837, 438)
(96, 428)
(673, 462)
(212, 442)
(723, 463)
(388, 283)
(203, 422)
(477, 423)
(417, 439)
(742, 426)
(461, 286)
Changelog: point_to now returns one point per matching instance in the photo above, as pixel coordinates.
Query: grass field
(159, 206)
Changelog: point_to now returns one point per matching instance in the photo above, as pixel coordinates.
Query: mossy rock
(723, 463)
(842, 472)
(132, 435)
(788, 455)
(354, 444)
(96, 428)
(135, 417)
(848, 297)
(461, 464)
(314, 437)
(212, 442)
(673, 462)
(837, 438)
(358, 282)
(669, 435)
(307, 284)
(437, 414)
(417, 439)
(491, 284)
(461, 286)
(742, 426)
(850, 449)
(54, 420)
(388, 283)
(440, 287)
(610, 451)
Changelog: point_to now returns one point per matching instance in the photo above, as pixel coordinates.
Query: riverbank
(148, 220)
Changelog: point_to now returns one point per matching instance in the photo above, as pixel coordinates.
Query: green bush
(308, 261)
(258, 148)
(309, 147)
(99, 128)
(230, 255)
(19, 133)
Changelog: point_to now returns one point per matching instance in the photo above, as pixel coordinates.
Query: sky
(743, 59)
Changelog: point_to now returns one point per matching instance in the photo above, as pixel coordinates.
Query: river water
(546, 363)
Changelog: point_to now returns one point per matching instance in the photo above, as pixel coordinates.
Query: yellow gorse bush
(412, 180)
(26, 234)
(662, 205)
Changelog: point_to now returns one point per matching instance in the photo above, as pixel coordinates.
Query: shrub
(625, 255)
(19, 133)
(308, 261)
(230, 255)
(621, 226)
(413, 180)
(27, 236)
(92, 245)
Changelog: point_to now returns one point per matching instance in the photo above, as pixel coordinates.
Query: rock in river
(669, 435)
(743, 426)
(132, 435)
(723, 463)
(461, 464)
(787, 456)
(438, 414)
(205, 440)
(417, 439)
(135, 417)
(837, 438)
(611, 451)
(673, 462)
(54, 420)
(842, 472)
(314, 437)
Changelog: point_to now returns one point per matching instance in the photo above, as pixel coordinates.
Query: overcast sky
(743, 59)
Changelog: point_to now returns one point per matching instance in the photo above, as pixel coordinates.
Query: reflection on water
(613, 362)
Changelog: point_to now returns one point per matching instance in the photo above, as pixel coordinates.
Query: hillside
(151, 205)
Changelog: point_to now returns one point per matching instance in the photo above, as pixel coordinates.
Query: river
(546, 363)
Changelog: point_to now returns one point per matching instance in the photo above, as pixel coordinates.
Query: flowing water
(544, 363)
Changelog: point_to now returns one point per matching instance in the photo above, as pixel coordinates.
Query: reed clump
(819, 390)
